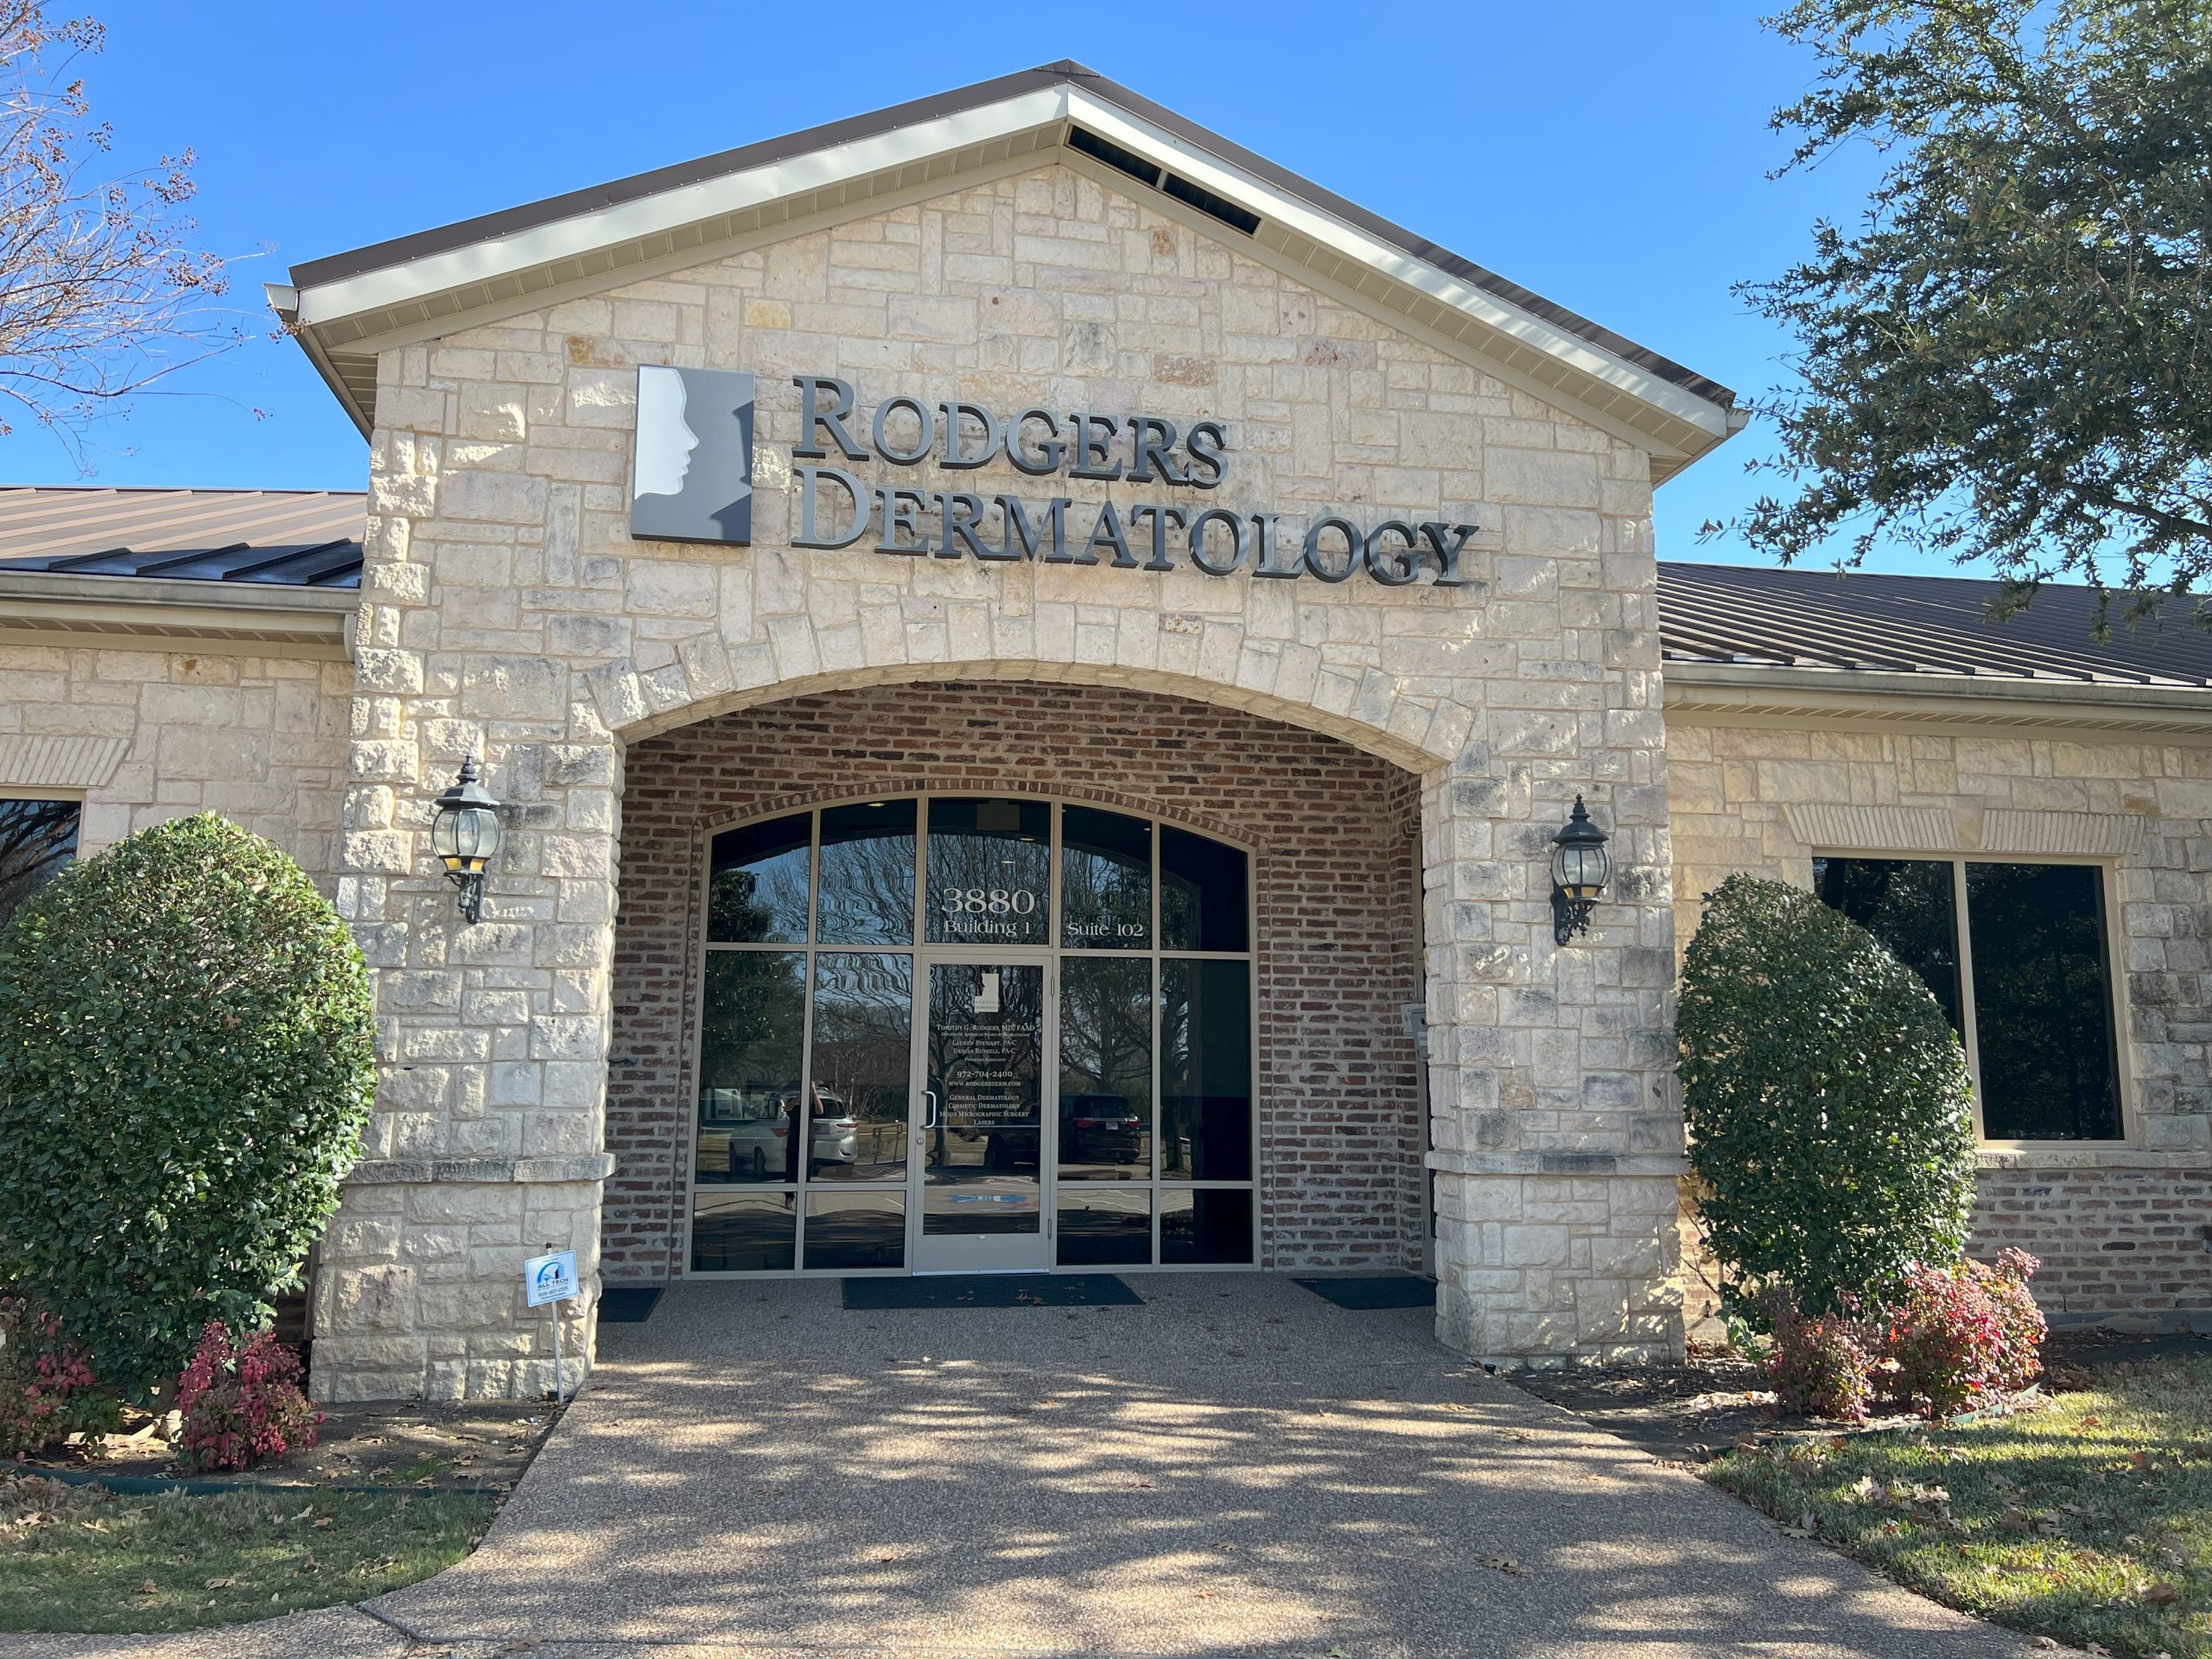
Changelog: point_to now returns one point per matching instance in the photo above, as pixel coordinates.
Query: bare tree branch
(101, 293)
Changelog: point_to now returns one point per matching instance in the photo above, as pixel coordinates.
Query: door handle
(929, 1122)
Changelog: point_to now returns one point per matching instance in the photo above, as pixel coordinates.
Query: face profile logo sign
(692, 461)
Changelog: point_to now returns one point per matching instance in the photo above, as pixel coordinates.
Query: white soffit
(415, 280)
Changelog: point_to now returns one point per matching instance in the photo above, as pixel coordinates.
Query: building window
(37, 839)
(1053, 1002)
(2019, 957)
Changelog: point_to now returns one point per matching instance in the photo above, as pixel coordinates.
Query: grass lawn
(2089, 1520)
(75, 1558)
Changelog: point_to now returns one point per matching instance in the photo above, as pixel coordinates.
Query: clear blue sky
(1611, 155)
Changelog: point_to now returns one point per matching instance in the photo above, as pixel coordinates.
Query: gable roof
(350, 306)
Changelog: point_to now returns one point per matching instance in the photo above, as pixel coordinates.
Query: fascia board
(1726, 693)
(50, 588)
(1112, 122)
(650, 216)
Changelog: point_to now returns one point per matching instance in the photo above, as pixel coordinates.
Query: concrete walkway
(1236, 1468)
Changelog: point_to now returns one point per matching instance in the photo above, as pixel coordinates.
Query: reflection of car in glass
(837, 1138)
(1099, 1129)
(747, 1134)
(743, 1133)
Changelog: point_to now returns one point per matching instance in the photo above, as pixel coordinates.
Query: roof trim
(152, 612)
(1732, 694)
(445, 274)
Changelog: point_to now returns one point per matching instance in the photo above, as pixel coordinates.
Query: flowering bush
(1821, 1365)
(240, 1406)
(47, 1390)
(1959, 1337)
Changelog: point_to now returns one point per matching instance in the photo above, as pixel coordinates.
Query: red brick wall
(1336, 880)
(2129, 1242)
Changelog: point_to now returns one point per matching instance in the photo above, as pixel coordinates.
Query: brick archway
(1376, 712)
(1334, 834)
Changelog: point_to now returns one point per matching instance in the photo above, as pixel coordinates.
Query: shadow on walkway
(1234, 1468)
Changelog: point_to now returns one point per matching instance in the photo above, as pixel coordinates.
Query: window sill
(2108, 1154)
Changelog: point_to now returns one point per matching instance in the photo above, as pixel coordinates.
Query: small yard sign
(550, 1278)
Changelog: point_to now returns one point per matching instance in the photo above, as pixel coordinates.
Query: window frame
(921, 952)
(42, 793)
(2115, 979)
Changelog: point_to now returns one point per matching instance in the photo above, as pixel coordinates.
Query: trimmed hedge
(186, 1067)
(1827, 1102)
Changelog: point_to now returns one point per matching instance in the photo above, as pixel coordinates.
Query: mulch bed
(1716, 1401)
(481, 1446)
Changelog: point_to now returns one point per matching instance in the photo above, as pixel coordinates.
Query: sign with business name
(693, 473)
(550, 1278)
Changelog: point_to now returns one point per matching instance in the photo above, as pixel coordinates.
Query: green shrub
(1827, 1101)
(184, 1069)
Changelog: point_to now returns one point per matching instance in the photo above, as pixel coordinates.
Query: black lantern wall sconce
(1579, 867)
(465, 835)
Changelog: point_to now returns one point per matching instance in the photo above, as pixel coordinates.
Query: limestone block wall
(505, 607)
(2121, 1228)
(143, 736)
(1336, 952)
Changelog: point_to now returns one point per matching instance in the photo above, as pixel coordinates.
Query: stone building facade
(1385, 732)
(505, 605)
(2119, 1227)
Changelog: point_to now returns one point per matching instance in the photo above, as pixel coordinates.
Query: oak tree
(2008, 360)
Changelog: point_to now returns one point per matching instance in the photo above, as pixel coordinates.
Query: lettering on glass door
(981, 1161)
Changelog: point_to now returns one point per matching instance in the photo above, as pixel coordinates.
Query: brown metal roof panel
(73, 519)
(1946, 624)
(300, 538)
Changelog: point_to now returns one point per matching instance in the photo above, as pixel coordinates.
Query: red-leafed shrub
(240, 1406)
(47, 1390)
(1961, 1337)
(1822, 1365)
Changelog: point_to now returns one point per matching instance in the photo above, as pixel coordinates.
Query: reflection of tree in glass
(1106, 1030)
(752, 1022)
(1908, 904)
(868, 890)
(1178, 1110)
(2042, 1011)
(37, 839)
(1106, 901)
(1106, 1067)
(864, 1013)
(1178, 910)
(760, 903)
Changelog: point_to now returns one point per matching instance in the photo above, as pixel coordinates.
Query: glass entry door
(979, 1124)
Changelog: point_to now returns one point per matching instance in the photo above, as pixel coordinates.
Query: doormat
(993, 1290)
(1369, 1291)
(627, 1304)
